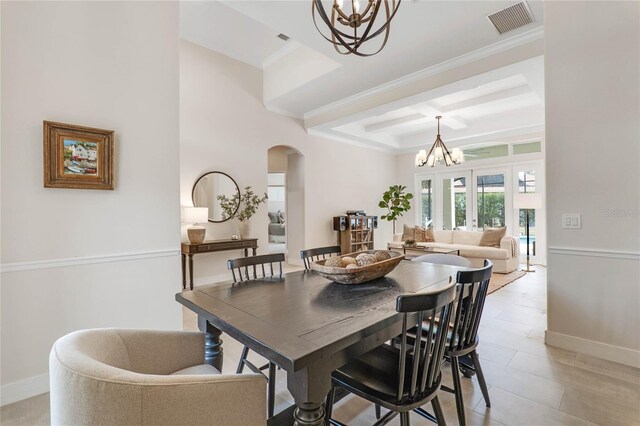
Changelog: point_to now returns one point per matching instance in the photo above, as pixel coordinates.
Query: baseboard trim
(23, 389)
(75, 261)
(588, 252)
(590, 347)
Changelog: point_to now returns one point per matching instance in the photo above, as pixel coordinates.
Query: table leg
(309, 388)
(191, 271)
(212, 343)
(184, 271)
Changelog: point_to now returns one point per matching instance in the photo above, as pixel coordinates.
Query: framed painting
(77, 157)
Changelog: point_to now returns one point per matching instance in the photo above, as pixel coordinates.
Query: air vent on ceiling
(283, 37)
(512, 17)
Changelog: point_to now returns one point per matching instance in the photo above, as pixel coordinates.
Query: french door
(465, 199)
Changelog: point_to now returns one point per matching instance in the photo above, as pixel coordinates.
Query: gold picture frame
(78, 157)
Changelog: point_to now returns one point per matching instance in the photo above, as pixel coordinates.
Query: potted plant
(249, 203)
(397, 202)
(410, 243)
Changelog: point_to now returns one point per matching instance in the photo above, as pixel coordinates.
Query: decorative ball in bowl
(357, 268)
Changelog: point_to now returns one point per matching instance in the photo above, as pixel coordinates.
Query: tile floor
(529, 383)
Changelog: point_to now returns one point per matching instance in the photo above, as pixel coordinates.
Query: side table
(211, 246)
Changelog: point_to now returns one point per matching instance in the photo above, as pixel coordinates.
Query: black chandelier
(354, 20)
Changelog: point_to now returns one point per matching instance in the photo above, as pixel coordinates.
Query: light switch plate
(572, 221)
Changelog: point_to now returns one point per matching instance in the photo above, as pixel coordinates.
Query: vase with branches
(397, 202)
(242, 207)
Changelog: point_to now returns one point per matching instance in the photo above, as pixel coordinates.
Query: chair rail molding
(86, 260)
(593, 252)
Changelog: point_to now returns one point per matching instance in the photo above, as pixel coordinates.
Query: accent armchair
(143, 377)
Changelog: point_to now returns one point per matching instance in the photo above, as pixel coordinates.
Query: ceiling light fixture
(439, 153)
(352, 21)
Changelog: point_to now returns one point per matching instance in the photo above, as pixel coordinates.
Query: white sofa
(505, 258)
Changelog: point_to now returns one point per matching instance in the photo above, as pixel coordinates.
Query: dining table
(308, 325)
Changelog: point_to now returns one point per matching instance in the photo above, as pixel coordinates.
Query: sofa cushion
(491, 236)
(482, 252)
(467, 237)
(443, 236)
(429, 235)
(408, 233)
(421, 234)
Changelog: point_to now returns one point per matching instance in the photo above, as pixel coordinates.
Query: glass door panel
(527, 184)
(455, 201)
(426, 199)
(490, 200)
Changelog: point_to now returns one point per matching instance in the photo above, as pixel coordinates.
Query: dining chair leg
(481, 381)
(457, 387)
(437, 410)
(378, 414)
(243, 357)
(271, 395)
(404, 419)
(328, 406)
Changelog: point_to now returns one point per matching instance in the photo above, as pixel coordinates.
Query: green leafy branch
(249, 201)
(396, 201)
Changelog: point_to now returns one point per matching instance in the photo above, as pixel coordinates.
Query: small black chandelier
(353, 21)
(439, 153)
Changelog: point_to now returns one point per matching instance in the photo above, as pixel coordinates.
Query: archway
(286, 190)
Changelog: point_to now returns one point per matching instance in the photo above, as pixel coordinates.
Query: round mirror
(219, 192)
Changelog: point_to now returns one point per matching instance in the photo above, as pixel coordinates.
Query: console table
(211, 246)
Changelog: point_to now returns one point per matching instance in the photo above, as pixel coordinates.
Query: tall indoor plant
(397, 202)
(249, 203)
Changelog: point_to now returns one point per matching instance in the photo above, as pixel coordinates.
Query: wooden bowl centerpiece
(357, 268)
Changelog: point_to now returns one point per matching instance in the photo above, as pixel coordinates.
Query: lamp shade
(195, 215)
(527, 200)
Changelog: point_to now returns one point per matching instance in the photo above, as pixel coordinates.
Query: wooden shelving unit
(358, 235)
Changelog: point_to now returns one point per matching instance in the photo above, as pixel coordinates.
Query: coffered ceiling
(504, 104)
(424, 34)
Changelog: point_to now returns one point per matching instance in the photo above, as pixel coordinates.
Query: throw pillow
(429, 238)
(280, 216)
(408, 233)
(273, 217)
(491, 236)
(421, 236)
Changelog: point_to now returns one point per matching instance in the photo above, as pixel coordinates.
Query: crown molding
(492, 49)
(281, 111)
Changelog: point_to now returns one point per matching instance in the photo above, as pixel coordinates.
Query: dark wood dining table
(308, 325)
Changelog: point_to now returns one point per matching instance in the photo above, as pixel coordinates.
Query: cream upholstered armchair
(142, 377)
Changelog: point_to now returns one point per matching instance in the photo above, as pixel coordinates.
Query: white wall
(224, 126)
(592, 57)
(74, 259)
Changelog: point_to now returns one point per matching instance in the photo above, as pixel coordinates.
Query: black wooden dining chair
(402, 379)
(472, 290)
(318, 253)
(245, 269)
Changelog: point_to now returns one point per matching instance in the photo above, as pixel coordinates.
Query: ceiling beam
(383, 126)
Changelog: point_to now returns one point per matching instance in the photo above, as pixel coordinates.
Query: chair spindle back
(472, 287)
(427, 352)
(247, 268)
(319, 253)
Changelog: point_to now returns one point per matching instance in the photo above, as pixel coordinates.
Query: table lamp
(527, 201)
(196, 215)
